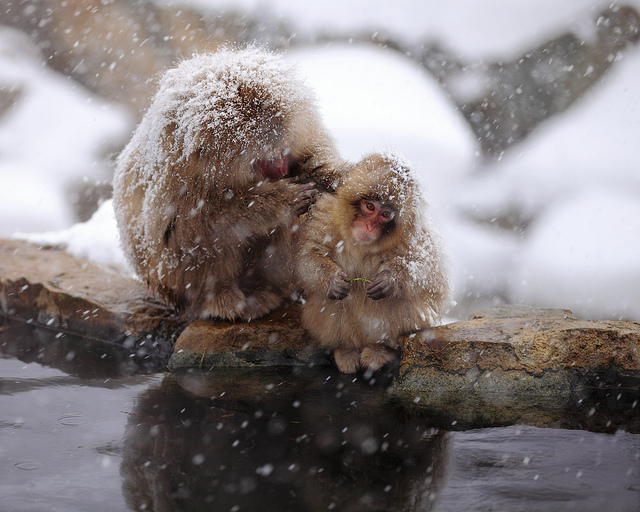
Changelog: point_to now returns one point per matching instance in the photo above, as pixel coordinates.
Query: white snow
(375, 98)
(53, 134)
(584, 252)
(577, 178)
(96, 239)
(579, 163)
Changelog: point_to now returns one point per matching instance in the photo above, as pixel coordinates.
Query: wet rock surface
(47, 287)
(533, 341)
(275, 340)
(506, 365)
(521, 364)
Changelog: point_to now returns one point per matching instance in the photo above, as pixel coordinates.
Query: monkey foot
(375, 357)
(233, 304)
(259, 304)
(347, 360)
(229, 304)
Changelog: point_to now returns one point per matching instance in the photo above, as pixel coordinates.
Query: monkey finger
(381, 286)
(309, 192)
(379, 292)
(337, 293)
(302, 189)
(338, 289)
(308, 187)
(302, 206)
(311, 197)
(304, 199)
(297, 180)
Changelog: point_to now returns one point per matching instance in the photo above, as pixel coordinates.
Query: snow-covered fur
(358, 328)
(197, 220)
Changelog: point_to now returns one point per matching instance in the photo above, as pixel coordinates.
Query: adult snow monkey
(371, 264)
(230, 152)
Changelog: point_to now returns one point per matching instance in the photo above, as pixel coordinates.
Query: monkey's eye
(387, 215)
(369, 206)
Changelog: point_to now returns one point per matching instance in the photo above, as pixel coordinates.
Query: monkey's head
(231, 114)
(372, 219)
(379, 202)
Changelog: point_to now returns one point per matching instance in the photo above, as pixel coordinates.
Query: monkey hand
(381, 286)
(304, 195)
(339, 288)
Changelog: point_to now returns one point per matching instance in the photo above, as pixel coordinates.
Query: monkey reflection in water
(371, 264)
(316, 445)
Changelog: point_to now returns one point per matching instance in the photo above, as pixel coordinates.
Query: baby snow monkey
(371, 264)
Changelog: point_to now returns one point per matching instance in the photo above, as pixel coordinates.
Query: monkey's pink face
(274, 169)
(372, 218)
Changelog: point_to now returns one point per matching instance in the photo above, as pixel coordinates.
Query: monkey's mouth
(365, 237)
(274, 169)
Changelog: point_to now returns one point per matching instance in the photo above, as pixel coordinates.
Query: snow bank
(564, 259)
(374, 99)
(53, 133)
(584, 254)
(96, 239)
(483, 260)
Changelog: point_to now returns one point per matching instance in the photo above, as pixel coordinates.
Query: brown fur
(197, 220)
(361, 331)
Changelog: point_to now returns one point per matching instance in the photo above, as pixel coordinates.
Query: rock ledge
(505, 363)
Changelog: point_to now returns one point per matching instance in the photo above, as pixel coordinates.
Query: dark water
(83, 429)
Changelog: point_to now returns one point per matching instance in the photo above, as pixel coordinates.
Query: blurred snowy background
(522, 118)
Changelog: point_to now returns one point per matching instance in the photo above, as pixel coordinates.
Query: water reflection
(270, 440)
(100, 436)
(87, 359)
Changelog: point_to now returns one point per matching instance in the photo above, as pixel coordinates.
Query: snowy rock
(473, 29)
(591, 145)
(95, 240)
(520, 94)
(112, 48)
